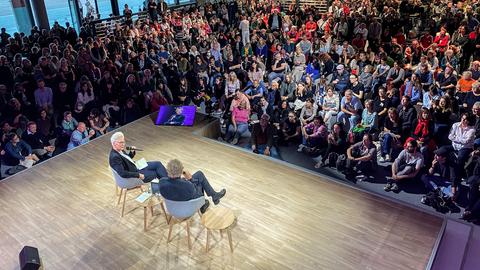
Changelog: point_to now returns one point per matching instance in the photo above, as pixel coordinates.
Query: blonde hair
(174, 168)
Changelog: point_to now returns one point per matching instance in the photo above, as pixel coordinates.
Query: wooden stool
(218, 218)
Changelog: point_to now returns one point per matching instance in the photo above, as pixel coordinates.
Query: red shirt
(426, 41)
(311, 26)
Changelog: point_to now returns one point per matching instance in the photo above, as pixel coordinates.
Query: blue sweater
(15, 153)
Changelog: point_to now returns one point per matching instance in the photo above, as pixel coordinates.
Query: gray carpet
(410, 193)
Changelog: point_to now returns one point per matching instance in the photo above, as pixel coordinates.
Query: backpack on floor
(341, 162)
(437, 200)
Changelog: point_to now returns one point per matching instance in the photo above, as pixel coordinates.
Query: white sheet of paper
(156, 180)
(143, 197)
(141, 163)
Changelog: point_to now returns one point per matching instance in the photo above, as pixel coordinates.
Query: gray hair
(476, 105)
(174, 168)
(116, 136)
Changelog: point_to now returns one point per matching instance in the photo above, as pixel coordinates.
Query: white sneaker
(388, 158)
(300, 147)
(381, 159)
(360, 177)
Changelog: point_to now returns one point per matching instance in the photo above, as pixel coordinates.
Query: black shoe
(388, 187)
(204, 208)
(467, 215)
(218, 196)
(395, 187)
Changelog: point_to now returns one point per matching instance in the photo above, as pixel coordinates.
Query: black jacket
(177, 189)
(36, 141)
(260, 136)
(123, 166)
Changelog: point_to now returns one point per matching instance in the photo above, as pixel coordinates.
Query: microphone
(133, 148)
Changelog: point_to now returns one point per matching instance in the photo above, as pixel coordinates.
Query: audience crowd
(364, 84)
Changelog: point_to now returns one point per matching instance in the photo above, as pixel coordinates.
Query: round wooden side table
(218, 218)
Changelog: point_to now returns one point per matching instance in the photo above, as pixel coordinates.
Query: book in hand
(141, 163)
(143, 197)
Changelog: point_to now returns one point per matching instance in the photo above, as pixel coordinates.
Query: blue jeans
(261, 150)
(155, 169)
(352, 119)
(273, 75)
(476, 143)
(386, 146)
(202, 185)
(241, 128)
(312, 142)
(433, 182)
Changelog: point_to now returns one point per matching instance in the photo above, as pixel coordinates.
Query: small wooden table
(150, 203)
(218, 218)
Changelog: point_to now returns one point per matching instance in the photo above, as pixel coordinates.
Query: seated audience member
(442, 120)
(465, 84)
(255, 92)
(122, 162)
(300, 97)
(38, 142)
(462, 136)
(423, 133)
(337, 144)
(69, 124)
(430, 97)
(341, 79)
(369, 117)
(287, 89)
(44, 125)
(350, 107)
(314, 135)
(80, 136)
(280, 114)
(361, 157)
(18, 152)
(472, 210)
(406, 166)
(239, 124)
(330, 105)
(308, 112)
(442, 173)
(6, 129)
(472, 97)
(446, 80)
(238, 98)
(263, 107)
(278, 68)
(407, 113)
(290, 130)
(174, 187)
(381, 105)
(262, 138)
(43, 96)
(98, 122)
(476, 113)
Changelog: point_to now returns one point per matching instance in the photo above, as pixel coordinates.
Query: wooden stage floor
(287, 218)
